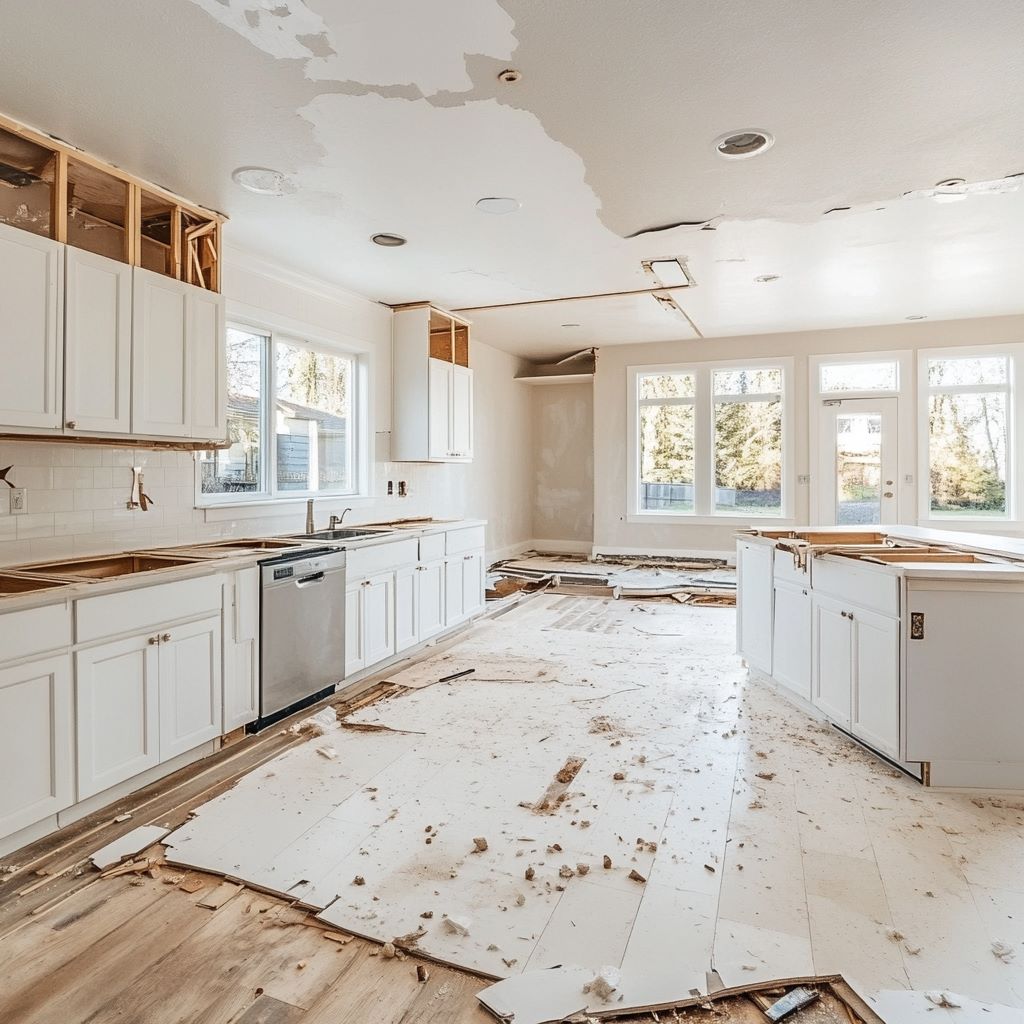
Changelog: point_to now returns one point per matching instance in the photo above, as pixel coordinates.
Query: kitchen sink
(249, 544)
(341, 534)
(27, 585)
(107, 566)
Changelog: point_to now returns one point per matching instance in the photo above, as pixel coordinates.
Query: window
(291, 422)
(968, 436)
(748, 441)
(709, 440)
(873, 376)
(666, 441)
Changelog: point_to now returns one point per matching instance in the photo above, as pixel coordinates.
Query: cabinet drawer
(468, 539)
(34, 630)
(787, 569)
(361, 562)
(134, 610)
(432, 547)
(875, 590)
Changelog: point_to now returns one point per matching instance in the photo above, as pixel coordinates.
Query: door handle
(887, 494)
(308, 581)
(165, 637)
(153, 640)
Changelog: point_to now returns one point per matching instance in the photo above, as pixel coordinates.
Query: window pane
(666, 458)
(667, 385)
(858, 468)
(755, 381)
(238, 469)
(312, 420)
(748, 458)
(860, 377)
(967, 454)
(951, 372)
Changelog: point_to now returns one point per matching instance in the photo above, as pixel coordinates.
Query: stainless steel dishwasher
(302, 630)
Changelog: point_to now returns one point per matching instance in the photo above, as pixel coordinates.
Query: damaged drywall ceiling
(390, 116)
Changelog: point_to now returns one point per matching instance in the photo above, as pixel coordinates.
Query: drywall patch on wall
(563, 417)
(375, 42)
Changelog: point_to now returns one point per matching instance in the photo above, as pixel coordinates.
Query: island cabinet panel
(754, 621)
(965, 700)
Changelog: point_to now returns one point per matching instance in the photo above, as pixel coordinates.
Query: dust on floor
(710, 825)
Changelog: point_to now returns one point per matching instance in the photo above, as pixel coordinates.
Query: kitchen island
(911, 640)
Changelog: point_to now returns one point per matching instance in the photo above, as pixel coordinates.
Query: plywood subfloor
(769, 845)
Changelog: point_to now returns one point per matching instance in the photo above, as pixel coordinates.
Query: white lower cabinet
(241, 649)
(463, 586)
(856, 672)
(116, 699)
(36, 742)
(791, 641)
(430, 587)
(754, 568)
(406, 608)
(189, 686)
(145, 699)
(369, 621)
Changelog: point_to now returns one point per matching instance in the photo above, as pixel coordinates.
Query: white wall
(612, 531)
(563, 417)
(77, 494)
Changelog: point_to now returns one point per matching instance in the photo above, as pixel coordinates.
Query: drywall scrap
(127, 845)
(540, 997)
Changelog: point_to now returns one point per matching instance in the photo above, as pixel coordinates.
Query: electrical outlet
(19, 501)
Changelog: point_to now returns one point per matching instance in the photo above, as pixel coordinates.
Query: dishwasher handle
(311, 580)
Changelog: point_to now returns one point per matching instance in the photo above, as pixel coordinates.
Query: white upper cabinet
(31, 301)
(179, 376)
(208, 365)
(432, 417)
(97, 343)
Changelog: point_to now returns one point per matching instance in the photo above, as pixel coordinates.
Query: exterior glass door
(858, 462)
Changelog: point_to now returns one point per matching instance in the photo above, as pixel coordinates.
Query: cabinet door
(116, 701)
(36, 742)
(160, 366)
(241, 649)
(355, 655)
(190, 686)
(97, 343)
(31, 298)
(472, 583)
(876, 681)
(207, 352)
(454, 594)
(755, 592)
(462, 412)
(379, 618)
(430, 585)
(833, 660)
(439, 409)
(406, 611)
(791, 643)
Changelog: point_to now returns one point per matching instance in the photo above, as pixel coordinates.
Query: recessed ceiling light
(766, 278)
(509, 76)
(742, 145)
(951, 190)
(918, 316)
(388, 240)
(571, 325)
(498, 204)
(264, 181)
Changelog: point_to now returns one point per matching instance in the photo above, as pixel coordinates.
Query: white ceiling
(390, 117)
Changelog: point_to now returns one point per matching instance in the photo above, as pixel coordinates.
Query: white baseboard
(729, 556)
(509, 551)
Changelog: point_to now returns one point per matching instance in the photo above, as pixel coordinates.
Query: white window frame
(1014, 388)
(279, 330)
(906, 423)
(703, 442)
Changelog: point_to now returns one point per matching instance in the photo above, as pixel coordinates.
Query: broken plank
(128, 845)
(218, 897)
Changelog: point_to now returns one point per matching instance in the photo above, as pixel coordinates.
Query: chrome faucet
(337, 521)
(309, 516)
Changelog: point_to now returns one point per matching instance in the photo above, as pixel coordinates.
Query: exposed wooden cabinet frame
(185, 267)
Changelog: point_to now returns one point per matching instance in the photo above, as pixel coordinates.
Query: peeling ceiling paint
(390, 116)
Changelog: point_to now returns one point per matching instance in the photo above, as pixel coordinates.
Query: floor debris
(128, 845)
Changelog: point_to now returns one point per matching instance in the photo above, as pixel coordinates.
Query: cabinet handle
(164, 637)
(466, 558)
(365, 583)
(153, 640)
(71, 424)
